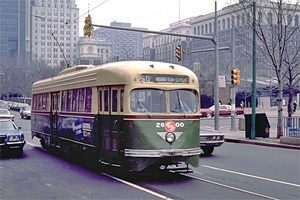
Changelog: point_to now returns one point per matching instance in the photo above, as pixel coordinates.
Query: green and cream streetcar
(134, 114)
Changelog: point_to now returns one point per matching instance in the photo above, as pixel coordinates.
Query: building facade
(162, 47)
(54, 22)
(12, 32)
(126, 45)
(92, 51)
(235, 38)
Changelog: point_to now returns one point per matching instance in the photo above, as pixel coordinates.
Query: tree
(277, 25)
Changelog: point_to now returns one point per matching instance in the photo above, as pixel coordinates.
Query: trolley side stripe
(131, 117)
(63, 113)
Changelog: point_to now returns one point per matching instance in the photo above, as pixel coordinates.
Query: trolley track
(141, 185)
(229, 187)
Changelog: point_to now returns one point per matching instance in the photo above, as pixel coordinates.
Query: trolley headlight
(170, 137)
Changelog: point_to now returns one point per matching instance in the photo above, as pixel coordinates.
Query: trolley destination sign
(161, 78)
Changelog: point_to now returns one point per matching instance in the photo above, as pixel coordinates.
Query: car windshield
(148, 100)
(26, 108)
(6, 125)
(212, 108)
(4, 112)
(183, 101)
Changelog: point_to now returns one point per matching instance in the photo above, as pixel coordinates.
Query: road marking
(138, 187)
(252, 176)
(230, 187)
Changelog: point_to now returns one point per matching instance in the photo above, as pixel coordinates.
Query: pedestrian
(294, 106)
(242, 104)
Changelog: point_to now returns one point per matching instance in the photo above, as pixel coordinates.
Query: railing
(291, 127)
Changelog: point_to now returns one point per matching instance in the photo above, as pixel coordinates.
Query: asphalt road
(234, 171)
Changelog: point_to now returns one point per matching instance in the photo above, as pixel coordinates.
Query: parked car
(5, 114)
(11, 137)
(21, 106)
(25, 112)
(4, 106)
(224, 110)
(209, 139)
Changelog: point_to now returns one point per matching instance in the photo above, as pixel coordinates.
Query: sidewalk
(240, 136)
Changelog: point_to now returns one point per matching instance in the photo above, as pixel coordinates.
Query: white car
(209, 139)
(5, 114)
(25, 112)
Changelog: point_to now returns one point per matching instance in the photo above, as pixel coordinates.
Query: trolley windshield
(154, 101)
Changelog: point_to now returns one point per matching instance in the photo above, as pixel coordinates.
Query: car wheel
(209, 115)
(208, 150)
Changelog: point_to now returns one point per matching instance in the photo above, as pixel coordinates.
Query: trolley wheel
(209, 115)
(208, 150)
(46, 147)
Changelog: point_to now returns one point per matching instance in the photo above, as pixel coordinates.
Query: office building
(54, 23)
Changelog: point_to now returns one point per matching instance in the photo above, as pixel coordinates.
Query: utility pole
(216, 88)
(252, 136)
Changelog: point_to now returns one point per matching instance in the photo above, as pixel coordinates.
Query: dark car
(11, 137)
(224, 110)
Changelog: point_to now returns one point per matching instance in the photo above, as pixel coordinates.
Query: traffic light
(88, 28)
(179, 52)
(235, 76)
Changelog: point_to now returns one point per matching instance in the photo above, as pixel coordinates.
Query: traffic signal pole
(232, 88)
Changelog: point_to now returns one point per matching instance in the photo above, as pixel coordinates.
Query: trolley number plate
(162, 124)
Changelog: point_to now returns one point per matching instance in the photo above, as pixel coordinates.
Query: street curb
(261, 143)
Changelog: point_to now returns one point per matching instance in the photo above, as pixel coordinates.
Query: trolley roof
(117, 73)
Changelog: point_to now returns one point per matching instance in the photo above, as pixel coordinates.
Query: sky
(155, 15)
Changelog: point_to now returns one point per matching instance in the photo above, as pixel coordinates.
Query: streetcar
(132, 114)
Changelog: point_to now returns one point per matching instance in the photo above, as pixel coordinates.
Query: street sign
(232, 93)
(294, 132)
(222, 82)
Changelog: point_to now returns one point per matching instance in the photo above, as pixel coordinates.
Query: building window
(270, 18)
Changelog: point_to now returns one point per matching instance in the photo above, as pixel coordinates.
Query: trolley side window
(183, 101)
(122, 100)
(100, 103)
(88, 102)
(69, 100)
(81, 100)
(148, 100)
(75, 100)
(114, 100)
(63, 100)
(47, 102)
(106, 100)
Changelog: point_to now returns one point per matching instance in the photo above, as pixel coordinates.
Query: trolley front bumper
(162, 153)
